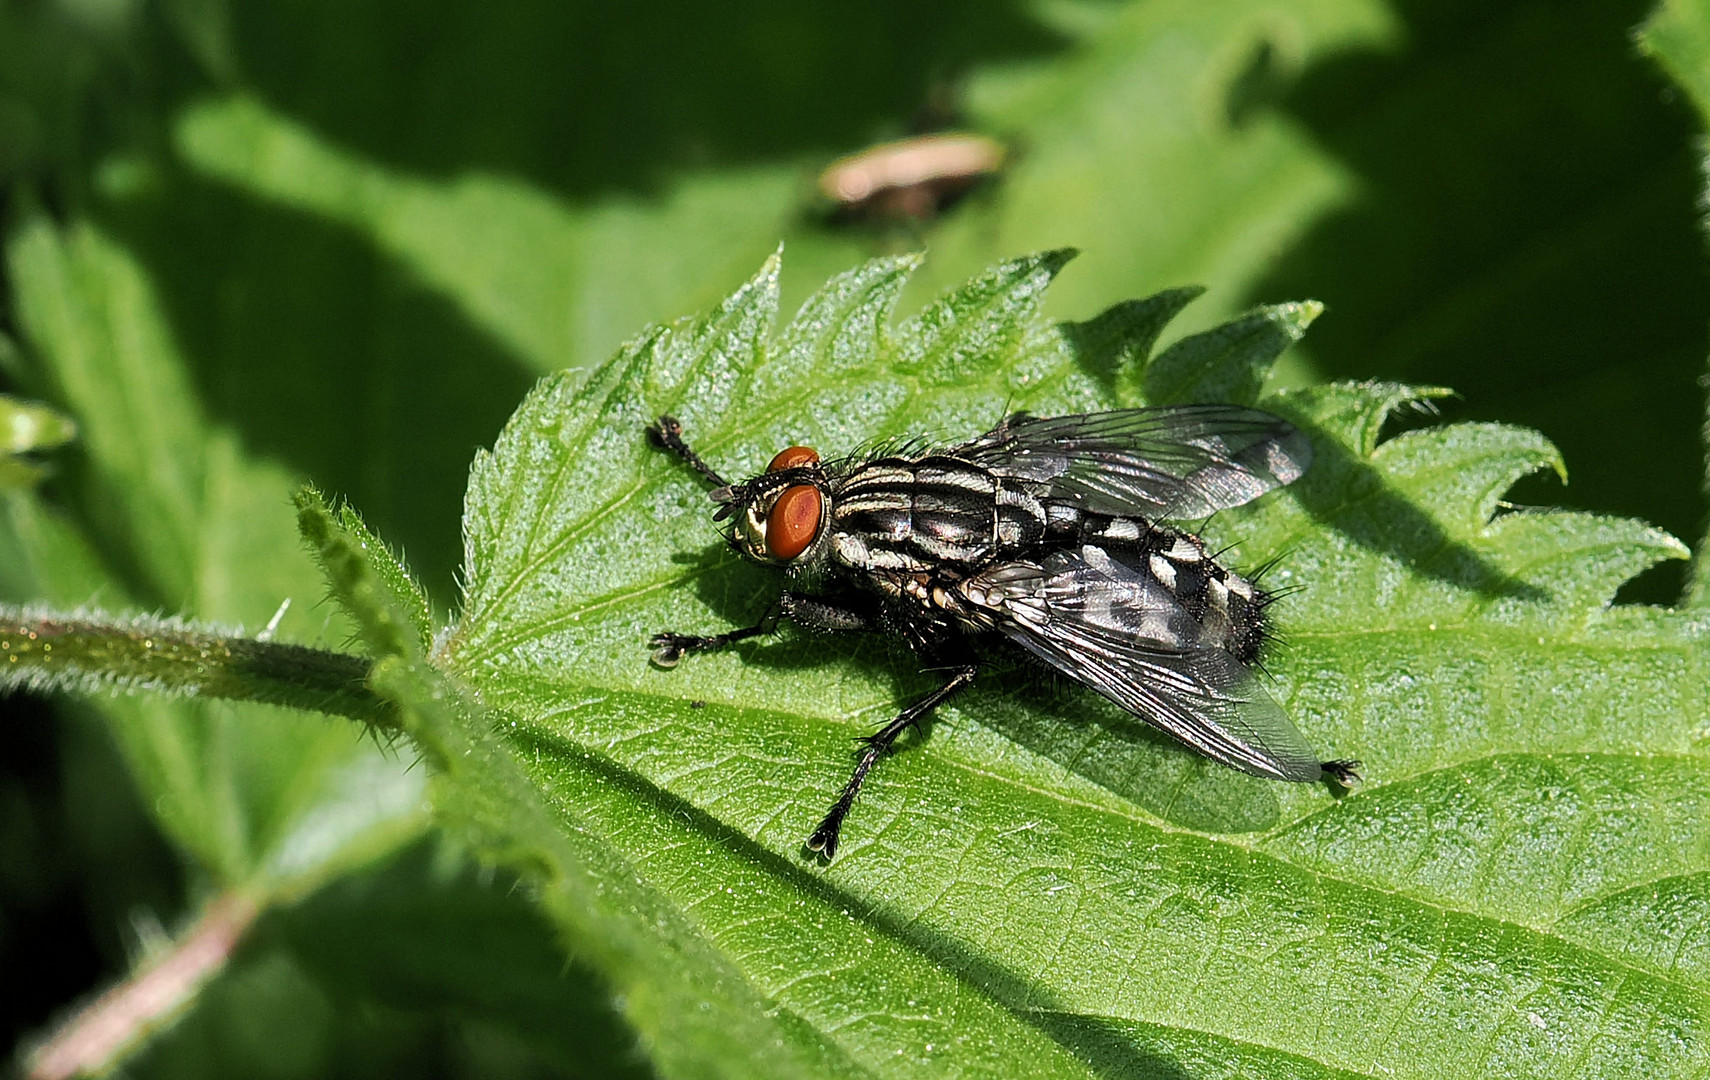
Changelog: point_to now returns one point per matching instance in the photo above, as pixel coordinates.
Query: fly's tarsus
(669, 648)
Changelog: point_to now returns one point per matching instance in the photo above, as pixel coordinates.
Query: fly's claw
(668, 648)
(1344, 772)
(665, 432)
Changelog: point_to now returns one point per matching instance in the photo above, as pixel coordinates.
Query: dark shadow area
(80, 861)
(1526, 231)
(1020, 996)
(430, 933)
(263, 301)
(584, 99)
(1109, 1047)
(1058, 718)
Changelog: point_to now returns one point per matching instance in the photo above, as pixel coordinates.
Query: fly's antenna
(667, 434)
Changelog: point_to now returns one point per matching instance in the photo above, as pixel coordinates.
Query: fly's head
(778, 516)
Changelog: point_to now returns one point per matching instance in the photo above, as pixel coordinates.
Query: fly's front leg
(667, 434)
(824, 838)
(669, 647)
(813, 612)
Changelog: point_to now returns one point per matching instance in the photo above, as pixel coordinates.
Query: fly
(1048, 533)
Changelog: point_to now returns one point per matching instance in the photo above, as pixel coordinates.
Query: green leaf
(1042, 886)
(369, 226)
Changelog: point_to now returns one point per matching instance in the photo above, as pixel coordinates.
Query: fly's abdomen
(1227, 605)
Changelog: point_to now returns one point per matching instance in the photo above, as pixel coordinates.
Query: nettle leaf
(1045, 886)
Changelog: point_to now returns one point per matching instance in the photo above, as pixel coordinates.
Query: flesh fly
(1047, 533)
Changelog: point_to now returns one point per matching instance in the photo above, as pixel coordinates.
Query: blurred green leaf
(477, 944)
(1678, 36)
(259, 797)
(27, 429)
(1022, 899)
(1149, 147)
(423, 965)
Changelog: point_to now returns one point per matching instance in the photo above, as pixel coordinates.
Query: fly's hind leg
(824, 838)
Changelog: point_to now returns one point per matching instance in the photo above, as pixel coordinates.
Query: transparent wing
(1111, 625)
(1178, 461)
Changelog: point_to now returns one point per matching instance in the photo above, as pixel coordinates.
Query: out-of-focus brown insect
(911, 179)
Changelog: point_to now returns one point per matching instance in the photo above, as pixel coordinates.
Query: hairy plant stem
(91, 652)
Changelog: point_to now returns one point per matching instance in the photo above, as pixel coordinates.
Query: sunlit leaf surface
(1042, 879)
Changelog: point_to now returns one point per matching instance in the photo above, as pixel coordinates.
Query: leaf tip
(1295, 316)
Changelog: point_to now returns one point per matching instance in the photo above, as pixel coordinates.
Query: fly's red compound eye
(794, 520)
(793, 458)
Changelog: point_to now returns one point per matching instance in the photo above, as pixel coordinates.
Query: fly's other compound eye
(793, 457)
(794, 521)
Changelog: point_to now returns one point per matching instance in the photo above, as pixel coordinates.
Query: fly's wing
(1113, 626)
(1178, 461)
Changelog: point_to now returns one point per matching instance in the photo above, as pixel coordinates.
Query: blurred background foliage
(361, 230)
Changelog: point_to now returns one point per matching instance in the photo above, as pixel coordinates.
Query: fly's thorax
(1229, 607)
(910, 515)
